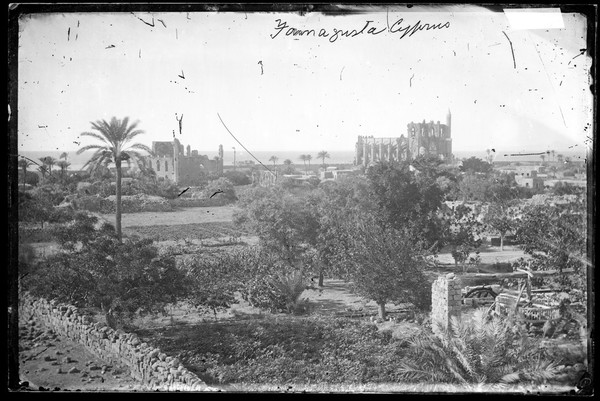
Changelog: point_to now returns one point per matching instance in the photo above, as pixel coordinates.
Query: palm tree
(274, 160)
(304, 159)
(64, 155)
(50, 161)
(323, 155)
(308, 158)
(24, 164)
(63, 164)
(44, 167)
(115, 148)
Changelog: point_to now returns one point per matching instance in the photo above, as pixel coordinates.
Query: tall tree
(115, 136)
(304, 158)
(50, 161)
(64, 165)
(323, 155)
(407, 197)
(274, 160)
(24, 164)
(44, 167)
(308, 159)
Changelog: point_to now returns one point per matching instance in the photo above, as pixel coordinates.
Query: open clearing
(188, 215)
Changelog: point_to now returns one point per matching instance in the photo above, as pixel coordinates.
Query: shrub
(237, 177)
(485, 350)
(94, 269)
(95, 204)
(222, 188)
(32, 178)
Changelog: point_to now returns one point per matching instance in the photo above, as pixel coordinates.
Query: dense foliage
(475, 165)
(555, 235)
(287, 351)
(95, 269)
(483, 350)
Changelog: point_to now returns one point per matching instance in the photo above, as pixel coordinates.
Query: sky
(275, 90)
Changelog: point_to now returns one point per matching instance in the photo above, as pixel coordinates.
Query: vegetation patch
(284, 350)
(184, 231)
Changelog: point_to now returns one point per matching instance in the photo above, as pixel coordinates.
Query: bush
(32, 178)
(237, 177)
(485, 350)
(94, 269)
(222, 188)
(95, 204)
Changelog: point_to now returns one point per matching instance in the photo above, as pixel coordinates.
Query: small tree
(288, 169)
(96, 269)
(463, 234)
(555, 238)
(501, 218)
(323, 155)
(475, 165)
(387, 265)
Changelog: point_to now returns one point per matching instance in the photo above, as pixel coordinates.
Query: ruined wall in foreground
(147, 364)
(446, 300)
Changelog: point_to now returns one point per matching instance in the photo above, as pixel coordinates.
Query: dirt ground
(189, 215)
(48, 362)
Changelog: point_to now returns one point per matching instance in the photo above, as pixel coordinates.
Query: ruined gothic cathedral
(421, 139)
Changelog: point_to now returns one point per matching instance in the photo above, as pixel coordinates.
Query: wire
(244, 146)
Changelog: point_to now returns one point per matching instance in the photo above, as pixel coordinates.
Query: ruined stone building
(170, 162)
(421, 139)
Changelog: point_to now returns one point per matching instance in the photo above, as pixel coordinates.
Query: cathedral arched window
(158, 165)
(166, 165)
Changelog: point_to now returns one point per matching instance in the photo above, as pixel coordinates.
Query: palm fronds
(482, 351)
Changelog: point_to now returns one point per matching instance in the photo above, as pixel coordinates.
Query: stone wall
(446, 300)
(147, 364)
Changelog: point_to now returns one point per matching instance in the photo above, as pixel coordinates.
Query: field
(334, 345)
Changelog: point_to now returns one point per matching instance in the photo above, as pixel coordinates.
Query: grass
(189, 215)
(176, 232)
(282, 349)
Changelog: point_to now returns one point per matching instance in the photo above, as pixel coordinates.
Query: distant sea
(336, 156)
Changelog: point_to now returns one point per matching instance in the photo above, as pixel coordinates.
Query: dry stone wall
(446, 300)
(147, 364)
